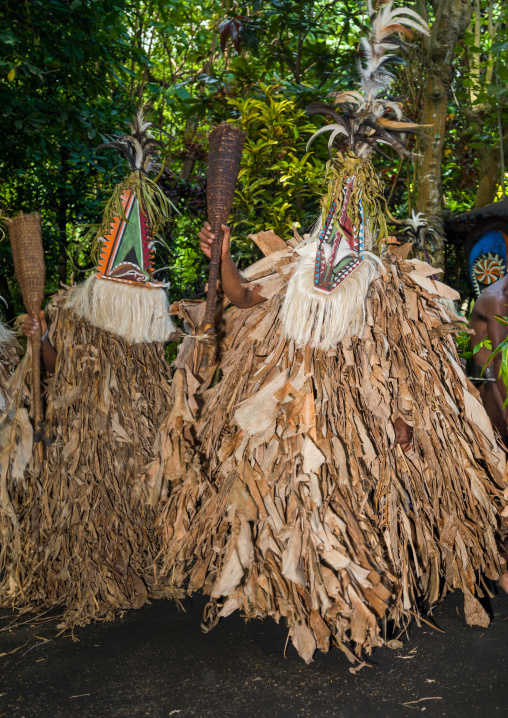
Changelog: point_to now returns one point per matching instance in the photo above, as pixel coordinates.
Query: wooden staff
(225, 152)
(30, 271)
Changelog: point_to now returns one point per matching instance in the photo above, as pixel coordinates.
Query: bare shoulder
(493, 298)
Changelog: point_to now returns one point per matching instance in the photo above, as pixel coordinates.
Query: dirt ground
(157, 662)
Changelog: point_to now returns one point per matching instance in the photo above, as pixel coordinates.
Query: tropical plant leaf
(399, 126)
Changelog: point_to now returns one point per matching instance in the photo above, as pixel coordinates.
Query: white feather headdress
(360, 116)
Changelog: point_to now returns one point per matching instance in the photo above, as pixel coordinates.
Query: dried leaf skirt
(88, 539)
(293, 504)
(9, 360)
(16, 442)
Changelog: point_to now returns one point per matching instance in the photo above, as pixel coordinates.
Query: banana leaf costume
(9, 358)
(89, 542)
(16, 444)
(281, 493)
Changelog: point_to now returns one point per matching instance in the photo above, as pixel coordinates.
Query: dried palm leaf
(16, 445)
(290, 503)
(88, 540)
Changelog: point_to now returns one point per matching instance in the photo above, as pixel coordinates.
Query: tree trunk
(189, 160)
(489, 170)
(452, 19)
(489, 156)
(488, 167)
(62, 243)
(188, 165)
(61, 218)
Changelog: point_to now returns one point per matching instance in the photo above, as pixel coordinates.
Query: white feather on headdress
(140, 147)
(361, 114)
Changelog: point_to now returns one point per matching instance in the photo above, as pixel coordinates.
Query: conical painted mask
(127, 253)
(340, 243)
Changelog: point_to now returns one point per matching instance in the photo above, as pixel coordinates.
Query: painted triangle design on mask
(340, 244)
(127, 253)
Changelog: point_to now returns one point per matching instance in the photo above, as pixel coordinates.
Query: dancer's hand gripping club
(231, 279)
(29, 327)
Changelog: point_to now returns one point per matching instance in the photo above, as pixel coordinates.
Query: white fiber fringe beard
(135, 313)
(319, 320)
(6, 336)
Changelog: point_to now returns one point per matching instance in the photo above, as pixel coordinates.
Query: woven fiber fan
(30, 271)
(225, 152)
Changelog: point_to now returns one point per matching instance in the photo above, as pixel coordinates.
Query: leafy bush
(279, 182)
(279, 185)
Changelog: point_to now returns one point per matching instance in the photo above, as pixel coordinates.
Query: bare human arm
(485, 325)
(48, 351)
(231, 279)
(497, 333)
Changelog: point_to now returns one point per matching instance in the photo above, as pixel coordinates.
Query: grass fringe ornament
(322, 320)
(156, 206)
(136, 315)
(368, 188)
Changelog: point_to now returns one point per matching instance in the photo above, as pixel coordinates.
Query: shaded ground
(157, 662)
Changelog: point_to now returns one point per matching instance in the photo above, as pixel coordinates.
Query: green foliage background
(72, 72)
